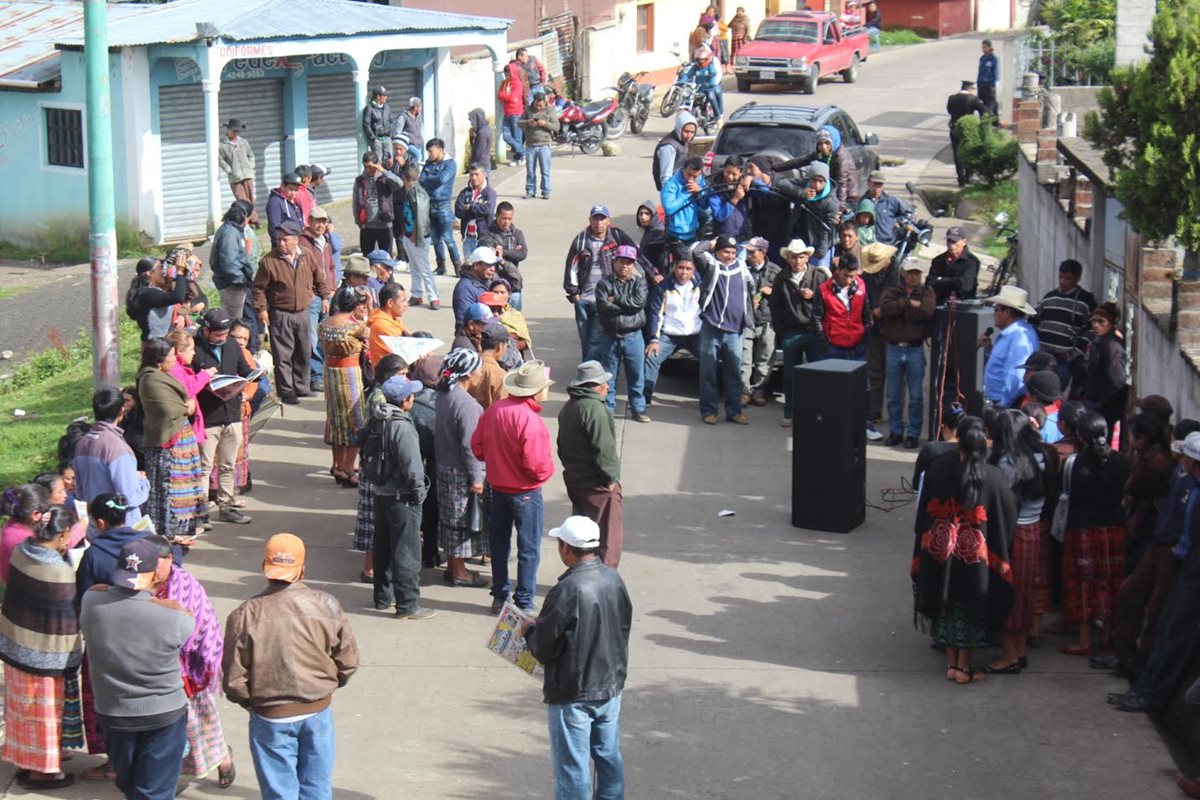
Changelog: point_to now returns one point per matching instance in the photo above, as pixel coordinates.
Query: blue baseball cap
(599, 210)
(381, 257)
(478, 312)
(398, 388)
(135, 559)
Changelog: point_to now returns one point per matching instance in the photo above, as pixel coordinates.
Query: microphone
(987, 333)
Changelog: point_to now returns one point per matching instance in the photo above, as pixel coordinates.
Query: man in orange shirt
(386, 320)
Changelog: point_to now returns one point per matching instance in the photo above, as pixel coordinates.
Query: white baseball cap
(580, 532)
(1189, 447)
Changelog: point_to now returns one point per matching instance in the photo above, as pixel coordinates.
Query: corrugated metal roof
(27, 32)
(251, 20)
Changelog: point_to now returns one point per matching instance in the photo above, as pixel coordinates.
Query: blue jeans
(873, 35)
(514, 137)
(441, 229)
(293, 760)
(587, 322)
(798, 348)
(723, 348)
(667, 345)
(631, 349)
(147, 763)
(537, 157)
(415, 154)
(715, 96)
(525, 511)
(579, 731)
(318, 353)
(905, 364)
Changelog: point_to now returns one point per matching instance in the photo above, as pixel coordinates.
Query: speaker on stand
(961, 325)
(829, 444)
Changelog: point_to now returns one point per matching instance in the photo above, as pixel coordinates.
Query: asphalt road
(766, 661)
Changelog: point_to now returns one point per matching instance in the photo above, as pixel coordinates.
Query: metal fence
(1040, 53)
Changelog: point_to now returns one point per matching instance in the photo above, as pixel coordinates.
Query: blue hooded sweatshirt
(100, 559)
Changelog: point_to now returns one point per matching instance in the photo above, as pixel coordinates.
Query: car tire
(809, 84)
(850, 74)
(744, 85)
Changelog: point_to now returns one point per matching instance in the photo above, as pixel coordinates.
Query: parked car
(790, 132)
(799, 47)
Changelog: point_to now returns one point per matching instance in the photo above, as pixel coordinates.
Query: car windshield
(746, 140)
(782, 30)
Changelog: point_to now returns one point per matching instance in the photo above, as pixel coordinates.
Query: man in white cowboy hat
(514, 444)
(1016, 341)
(587, 448)
(796, 314)
(906, 320)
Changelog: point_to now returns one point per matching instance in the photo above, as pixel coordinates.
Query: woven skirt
(72, 724)
(364, 520)
(1093, 568)
(206, 741)
(33, 711)
(454, 490)
(345, 407)
(178, 491)
(91, 720)
(956, 628)
(1043, 578)
(1024, 562)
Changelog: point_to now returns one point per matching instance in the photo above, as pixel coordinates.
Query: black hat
(291, 178)
(235, 124)
(968, 85)
(1045, 386)
(725, 242)
(1157, 405)
(216, 319)
(1039, 361)
(289, 228)
(377, 91)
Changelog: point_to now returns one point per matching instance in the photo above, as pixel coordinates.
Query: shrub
(989, 153)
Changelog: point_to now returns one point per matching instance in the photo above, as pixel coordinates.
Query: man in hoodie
(235, 157)
(372, 204)
(512, 99)
(411, 124)
(377, 122)
(726, 310)
(398, 478)
(437, 179)
(672, 149)
(817, 211)
(621, 304)
(728, 202)
(684, 196)
(758, 345)
(589, 259)
(282, 206)
(475, 206)
(864, 221)
(842, 169)
(587, 448)
(104, 462)
(796, 313)
(480, 138)
(507, 240)
(654, 238)
(473, 282)
(674, 321)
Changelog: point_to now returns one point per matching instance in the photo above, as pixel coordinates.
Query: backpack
(376, 464)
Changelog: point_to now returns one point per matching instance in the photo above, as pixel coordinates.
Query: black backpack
(375, 462)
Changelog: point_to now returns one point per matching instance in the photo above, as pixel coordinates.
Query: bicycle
(1007, 271)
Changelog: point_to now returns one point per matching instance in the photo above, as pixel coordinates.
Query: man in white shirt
(674, 321)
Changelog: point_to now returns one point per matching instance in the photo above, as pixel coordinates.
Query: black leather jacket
(622, 304)
(582, 635)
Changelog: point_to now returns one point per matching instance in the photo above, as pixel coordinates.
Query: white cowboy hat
(1013, 297)
(798, 247)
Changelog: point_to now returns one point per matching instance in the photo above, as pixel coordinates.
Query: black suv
(790, 132)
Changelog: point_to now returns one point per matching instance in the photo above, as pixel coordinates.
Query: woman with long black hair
(1017, 452)
(1094, 543)
(962, 579)
(151, 297)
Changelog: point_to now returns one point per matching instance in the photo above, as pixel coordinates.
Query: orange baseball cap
(283, 558)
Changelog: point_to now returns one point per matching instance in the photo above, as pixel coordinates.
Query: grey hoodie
(481, 144)
(671, 151)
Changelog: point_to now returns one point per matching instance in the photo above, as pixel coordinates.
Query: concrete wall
(1133, 25)
(1160, 368)
(999, 15)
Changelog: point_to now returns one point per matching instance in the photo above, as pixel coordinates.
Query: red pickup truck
(799, 47)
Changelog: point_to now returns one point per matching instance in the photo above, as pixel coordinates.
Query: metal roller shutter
(258, 104)
(401, 84)
(333, 124)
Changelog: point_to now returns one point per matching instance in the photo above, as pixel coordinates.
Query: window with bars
(645, 27)
(64, 137)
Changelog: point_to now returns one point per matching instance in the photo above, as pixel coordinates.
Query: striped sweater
(39, 630)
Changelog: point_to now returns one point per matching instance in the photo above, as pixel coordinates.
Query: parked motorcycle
(583, 126)
(912, 233)
(635, 100)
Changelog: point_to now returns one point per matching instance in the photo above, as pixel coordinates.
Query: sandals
(1075, 650)
(225, 777)
(963, 676)
(1011, 669)
(61, 782)
(100, 772)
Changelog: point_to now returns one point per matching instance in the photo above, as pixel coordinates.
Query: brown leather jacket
(286, 650)
(280, 286)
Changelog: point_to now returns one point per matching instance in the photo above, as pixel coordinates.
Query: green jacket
(164, 402)
(536, 134)
(587, 440)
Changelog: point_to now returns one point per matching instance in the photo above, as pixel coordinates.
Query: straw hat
(527, 380)
(1013, 297)
(876, 257)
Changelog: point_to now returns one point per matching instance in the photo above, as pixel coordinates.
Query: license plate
(767, 75)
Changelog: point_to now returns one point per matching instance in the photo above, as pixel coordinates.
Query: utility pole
(102, 235)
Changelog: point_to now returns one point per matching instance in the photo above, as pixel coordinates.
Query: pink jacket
(512, 93)
(193, 382)
(514, 444)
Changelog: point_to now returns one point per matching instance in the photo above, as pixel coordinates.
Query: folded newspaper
(508, 643)
(226, 386)
(410, 348)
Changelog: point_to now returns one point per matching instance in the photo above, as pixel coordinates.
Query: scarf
(201, 654)
(39, 629)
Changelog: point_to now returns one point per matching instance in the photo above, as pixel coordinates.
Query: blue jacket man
(888, 209)
(988, 78)
(1015, 342)
(437, 179)
(282, 206)
(682, 199)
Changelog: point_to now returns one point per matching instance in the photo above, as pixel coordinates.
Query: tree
(1148, 129)
(988, 153)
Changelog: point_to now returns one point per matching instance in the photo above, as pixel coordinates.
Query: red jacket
(514, 444)
(323, 257)
(512, 93)
(845, 327)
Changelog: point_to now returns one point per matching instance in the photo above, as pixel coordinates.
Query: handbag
(475, 521)
(1058, 523)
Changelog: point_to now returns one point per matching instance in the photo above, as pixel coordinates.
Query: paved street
(766, 661)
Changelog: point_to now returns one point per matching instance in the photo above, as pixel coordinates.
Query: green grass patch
(69, 245)
(984, 204)
(901, 36)
(52, 388)
(13, 291)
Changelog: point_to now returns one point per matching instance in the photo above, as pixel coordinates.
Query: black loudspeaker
(829, 445)
(964, 359)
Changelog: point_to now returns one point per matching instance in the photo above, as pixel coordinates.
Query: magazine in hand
(226, 386)
(508, 643)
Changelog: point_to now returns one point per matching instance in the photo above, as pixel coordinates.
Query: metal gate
(565, 26)
(333, 124)
(258, 104)
(401, 84)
